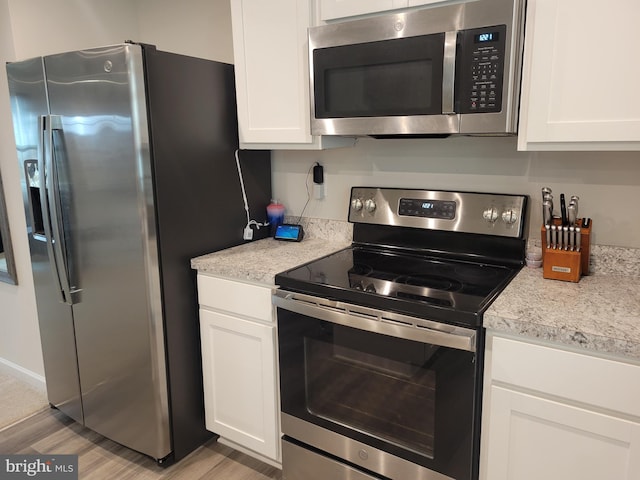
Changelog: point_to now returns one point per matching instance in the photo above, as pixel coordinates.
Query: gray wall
(608, 183)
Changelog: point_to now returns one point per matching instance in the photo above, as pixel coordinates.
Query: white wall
(199, 28)
(31, 28)
(20, 338)
(42, 27)
(608, 183)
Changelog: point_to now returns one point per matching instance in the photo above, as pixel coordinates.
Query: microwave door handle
(449, 72)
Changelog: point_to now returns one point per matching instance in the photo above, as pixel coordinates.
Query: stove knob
(370, 288)
(509, 216)
(490, 214)
(356, 204)
(369, 205)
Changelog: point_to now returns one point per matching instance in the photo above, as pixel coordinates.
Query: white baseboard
(27, 376)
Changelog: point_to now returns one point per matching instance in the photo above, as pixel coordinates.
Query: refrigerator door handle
(52, 212)
(44, 201)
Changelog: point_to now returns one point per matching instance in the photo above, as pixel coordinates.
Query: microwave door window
(387, 78)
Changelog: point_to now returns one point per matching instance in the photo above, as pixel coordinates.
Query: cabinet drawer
(583, 378)
(235, 297)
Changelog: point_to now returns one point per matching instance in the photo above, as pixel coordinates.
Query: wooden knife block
(564, 264)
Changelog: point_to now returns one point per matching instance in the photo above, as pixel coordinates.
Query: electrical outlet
(248, 233)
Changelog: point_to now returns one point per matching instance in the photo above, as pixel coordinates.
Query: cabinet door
(272, 75)
(580, 76)
(238, 359)
(332, 9)
(533, 438)
(268, 41)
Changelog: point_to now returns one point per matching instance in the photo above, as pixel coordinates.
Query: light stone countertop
(260, 261)
(600, 313)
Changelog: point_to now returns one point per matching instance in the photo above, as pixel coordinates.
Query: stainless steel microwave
(443, 70)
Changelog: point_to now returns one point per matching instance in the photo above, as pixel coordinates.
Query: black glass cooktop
(442, 288)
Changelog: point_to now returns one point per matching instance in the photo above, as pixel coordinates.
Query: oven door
(392, 394)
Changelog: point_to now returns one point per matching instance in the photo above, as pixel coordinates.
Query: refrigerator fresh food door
(30, 114)
(101, 161)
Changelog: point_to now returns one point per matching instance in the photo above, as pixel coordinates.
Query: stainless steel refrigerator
(129, 172)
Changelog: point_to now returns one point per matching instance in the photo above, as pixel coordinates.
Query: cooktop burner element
(410, 261)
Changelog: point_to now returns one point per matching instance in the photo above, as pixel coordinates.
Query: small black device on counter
(289, 232)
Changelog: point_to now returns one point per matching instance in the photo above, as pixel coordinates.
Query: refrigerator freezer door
(30, 108)
(106, 209)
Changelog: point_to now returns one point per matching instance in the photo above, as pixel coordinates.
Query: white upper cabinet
(580, 78)
(272, 75)
(333, 9)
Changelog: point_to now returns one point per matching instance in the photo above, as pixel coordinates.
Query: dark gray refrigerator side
(128, 154)
(199, 204)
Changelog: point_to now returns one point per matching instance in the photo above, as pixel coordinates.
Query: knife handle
(563, 210)
(565, 237)
(578, 238)
(548, 234)
(572, 238)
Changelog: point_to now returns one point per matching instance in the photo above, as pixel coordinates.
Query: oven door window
(411, 399)
(385, 78)
(355, 387)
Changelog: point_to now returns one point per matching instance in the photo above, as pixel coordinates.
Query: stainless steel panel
(29, 103)
(449, 73)
(357, 453)
(512, 14)
(470, 214)
(377, 321)
(401, 125)
(298, 463)
(107, 211)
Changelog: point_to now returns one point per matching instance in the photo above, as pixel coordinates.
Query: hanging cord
(306, 184)
(244, 197)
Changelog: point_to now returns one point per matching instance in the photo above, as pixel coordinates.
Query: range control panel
(427, 208)
(480, 67)
(469, 212)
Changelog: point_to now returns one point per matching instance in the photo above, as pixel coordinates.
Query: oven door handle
(377, 321)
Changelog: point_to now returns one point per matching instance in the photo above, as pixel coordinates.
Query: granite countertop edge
(600, 314)
(259, 261)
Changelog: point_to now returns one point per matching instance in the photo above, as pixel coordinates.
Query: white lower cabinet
(555, 414)
(239, 366)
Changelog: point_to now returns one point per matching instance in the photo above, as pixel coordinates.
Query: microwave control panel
(480, 69)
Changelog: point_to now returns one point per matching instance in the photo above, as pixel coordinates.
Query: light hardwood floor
(51, 432)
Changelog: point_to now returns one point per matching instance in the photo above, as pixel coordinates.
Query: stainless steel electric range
(381, 344)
